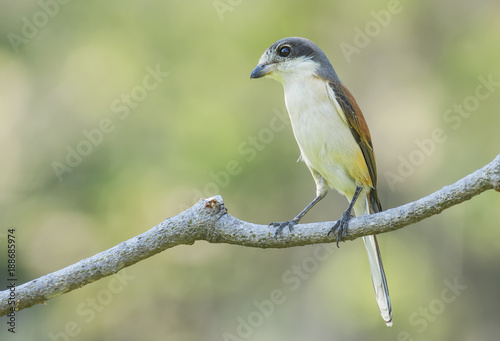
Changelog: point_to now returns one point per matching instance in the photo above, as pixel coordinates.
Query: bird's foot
(282, 225)
(341, 227)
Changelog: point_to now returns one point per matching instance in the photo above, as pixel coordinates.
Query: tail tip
(388, 323)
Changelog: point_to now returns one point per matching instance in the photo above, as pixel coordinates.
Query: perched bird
(333, 138)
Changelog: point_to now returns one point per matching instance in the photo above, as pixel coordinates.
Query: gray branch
(208, 220)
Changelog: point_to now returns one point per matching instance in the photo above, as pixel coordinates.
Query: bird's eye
(284, 51)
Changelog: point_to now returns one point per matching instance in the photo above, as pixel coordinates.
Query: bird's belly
(326, 143)
(330, 150)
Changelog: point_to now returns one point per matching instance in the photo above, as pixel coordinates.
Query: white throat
(295, 70)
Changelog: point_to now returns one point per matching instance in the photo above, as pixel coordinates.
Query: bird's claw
(341, 227)
(282, 225)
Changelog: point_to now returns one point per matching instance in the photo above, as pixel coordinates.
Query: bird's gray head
(294, 58)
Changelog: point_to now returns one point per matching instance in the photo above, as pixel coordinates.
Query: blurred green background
(91, 78)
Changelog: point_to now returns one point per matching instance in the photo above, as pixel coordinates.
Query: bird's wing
(360, 132)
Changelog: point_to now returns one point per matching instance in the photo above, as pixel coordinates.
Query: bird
(334, 142)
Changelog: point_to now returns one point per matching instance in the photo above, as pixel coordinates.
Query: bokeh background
(80, 66)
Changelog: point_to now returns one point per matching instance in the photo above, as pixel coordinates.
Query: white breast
(320, 128)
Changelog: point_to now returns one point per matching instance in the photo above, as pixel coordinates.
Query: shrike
(333, 138)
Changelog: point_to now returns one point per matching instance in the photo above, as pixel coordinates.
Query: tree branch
(208, 220)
